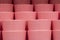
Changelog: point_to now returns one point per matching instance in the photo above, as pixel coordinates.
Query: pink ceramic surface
(6, 15)
(6, 7)
(55, 1)
(13, 35)
(44, 7)
(0, 25)
(48, 15)
(39, 1)
(41, 24)
(39, 35)
(23, 7)
(21, 1)
(25, 15)
(0, 35)
(57, 7)
(13, 25)
(5, 1)
(56, 25)
(56, 35)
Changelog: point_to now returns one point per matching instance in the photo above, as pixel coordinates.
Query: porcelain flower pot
(23, 7)
(56, 24)
(13, 35)
(39, 35)
(43, 7)
(56, 34)
(25, 15)
(13, 25)
(55, 1)
(57, 7)
(6, 7)
(21, 1)
(39, 1)
(41, 24)
(5, 1)
(48, 15)
(6, 15)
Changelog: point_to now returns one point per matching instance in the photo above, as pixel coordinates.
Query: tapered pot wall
(43, 7)
(48, 15)
(6, 15)
(5, 1)
(56, 35)
(56, 25)
(39, 35)
(14, 35)
(55, 1)
(41, 24)
(13, 25)
(23, 7)
(57, 7)
(25, 15)
(21, 1)
(6, 7)
(39, 1)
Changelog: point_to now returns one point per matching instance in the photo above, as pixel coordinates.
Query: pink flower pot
(6, 15)
(57, 7)
(14, 35)
(48, 15)
(13, 25)
(55, 1)
(56, 35)
(56, 25)
(25, 15)
(5, 1)
(21, 1)
(41, 24)
(39, 35)
(23, 7)
(6, 7)
(40, 1)
(44, 7)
